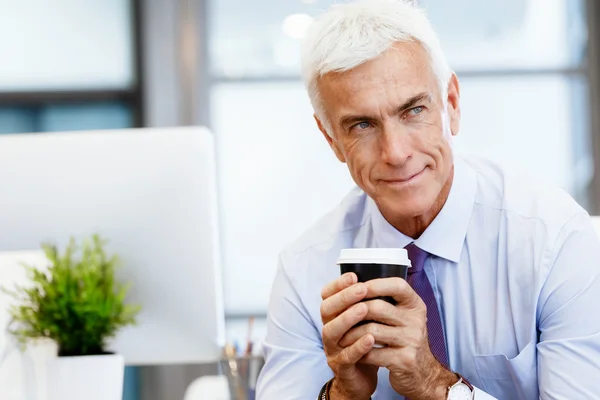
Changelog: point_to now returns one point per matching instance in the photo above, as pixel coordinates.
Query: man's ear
(332, 142)
(453, 102)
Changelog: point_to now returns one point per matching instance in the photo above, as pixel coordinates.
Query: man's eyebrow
(353, 119)
(408, 104)
(413, 101)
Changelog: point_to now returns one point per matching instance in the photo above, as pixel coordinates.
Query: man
(512, 268)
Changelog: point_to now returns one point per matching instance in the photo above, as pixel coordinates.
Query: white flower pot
(86, 377)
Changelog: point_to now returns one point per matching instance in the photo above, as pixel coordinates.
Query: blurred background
(529, 72)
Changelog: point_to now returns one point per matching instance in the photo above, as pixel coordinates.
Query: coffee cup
(375, 263)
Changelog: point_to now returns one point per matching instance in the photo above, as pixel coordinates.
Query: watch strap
(465, 381)
(324, 393)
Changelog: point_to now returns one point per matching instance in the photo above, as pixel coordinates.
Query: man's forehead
(373, 95)
(401, 85)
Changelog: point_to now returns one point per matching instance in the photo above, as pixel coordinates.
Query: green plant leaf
(78, 302)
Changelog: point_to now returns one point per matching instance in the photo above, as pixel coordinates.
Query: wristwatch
(461, 390)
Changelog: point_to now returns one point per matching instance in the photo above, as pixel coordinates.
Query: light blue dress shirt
(515, 268)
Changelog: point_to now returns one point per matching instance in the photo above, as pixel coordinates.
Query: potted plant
(78, 304)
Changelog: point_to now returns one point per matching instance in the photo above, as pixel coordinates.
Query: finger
(383, 334)
(352, 354)
(332, 306)
(383, 357)
(334, 330)
(385, 313)
(398, 359)
(397, 288)
(344, 281)
(411, 348)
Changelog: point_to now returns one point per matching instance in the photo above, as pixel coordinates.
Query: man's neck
(415, 226)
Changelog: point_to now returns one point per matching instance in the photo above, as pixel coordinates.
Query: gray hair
(351, 34)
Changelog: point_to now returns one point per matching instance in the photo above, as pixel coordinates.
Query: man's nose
(396, 146)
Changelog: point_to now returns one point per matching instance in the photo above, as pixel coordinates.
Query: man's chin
(404, 208)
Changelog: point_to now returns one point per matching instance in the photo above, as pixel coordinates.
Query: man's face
(390, 126)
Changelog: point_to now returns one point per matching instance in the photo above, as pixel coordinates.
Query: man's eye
(417, 110)
(363, 125)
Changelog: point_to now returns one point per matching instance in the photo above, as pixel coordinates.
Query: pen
(248, 351)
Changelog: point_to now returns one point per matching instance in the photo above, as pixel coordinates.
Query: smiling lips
(404, 180)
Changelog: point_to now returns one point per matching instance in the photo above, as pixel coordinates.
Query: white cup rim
(391, 256)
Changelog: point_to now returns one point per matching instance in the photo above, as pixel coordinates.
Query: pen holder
(242, 374)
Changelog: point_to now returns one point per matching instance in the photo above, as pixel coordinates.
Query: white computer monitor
(152, 194)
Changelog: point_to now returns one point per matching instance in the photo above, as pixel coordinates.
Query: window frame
(132, 97)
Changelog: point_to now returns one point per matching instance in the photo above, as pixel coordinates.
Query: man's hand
(414, 371)
(340, 311)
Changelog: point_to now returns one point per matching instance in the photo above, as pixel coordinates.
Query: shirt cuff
(481, 395)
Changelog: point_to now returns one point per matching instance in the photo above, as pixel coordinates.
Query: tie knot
(417, 257)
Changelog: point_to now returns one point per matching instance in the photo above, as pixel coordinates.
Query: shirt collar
(445, 236)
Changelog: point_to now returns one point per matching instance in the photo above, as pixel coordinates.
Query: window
(267, 155)
(54, 80)
(40, 51)
(257, 39)
(65, 117)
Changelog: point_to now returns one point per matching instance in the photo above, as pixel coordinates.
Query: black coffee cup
(375, 263)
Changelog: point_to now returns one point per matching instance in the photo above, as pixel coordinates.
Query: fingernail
(359, 309)
(359, 289)
(349, 279)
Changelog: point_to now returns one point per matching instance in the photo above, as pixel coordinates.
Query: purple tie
(420, 283)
